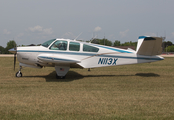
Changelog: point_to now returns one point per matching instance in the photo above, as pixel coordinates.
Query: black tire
(18, 74)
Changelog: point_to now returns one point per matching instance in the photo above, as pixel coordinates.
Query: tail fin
(149, 46)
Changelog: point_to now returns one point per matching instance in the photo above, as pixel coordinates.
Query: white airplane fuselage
(79, 55)
(106, 56)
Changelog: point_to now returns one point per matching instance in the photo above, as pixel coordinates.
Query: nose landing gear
(19, 73)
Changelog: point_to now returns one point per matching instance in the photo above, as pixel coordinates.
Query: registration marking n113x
(107, 61)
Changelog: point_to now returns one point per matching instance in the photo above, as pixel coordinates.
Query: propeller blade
(14, 51)
(15, 48)
(14, 61)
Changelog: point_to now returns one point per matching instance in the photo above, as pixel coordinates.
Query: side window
(87, 48)
(74, 46)
(59, 45)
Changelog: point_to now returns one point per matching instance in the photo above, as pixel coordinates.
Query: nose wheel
(19, 73)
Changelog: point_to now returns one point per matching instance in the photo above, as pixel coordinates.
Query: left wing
(51, 58)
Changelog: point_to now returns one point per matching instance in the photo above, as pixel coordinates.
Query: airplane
(64, 54)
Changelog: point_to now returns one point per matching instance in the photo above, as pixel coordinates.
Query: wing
(51, 58)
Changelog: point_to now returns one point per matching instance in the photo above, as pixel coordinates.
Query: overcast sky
(36, 21)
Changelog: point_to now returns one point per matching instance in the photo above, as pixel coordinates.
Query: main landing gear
(19, 73)
(61, 71)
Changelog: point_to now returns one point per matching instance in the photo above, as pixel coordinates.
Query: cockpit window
(59, 45)
(47, 43)
(87, 48)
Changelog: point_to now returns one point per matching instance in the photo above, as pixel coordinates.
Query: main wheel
(18, 74)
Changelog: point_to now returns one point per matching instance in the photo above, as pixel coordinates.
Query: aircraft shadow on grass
(147, 75)
(71, 76)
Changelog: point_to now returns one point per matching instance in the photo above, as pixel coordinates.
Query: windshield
(47, 43)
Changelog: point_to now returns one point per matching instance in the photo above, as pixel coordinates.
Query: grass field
(137, 92)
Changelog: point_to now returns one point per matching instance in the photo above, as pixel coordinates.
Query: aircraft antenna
(78, 36)
(164, 35)
(104, 38)
(93, 38)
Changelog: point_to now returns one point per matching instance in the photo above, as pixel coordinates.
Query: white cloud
(150, 34)
(172, 33)
(69, 35)
(41, 30)
(48, 31)
(124, 33)
(20, 35)
(112, 37)
(36, 28)
(97, 29)
(6, 32)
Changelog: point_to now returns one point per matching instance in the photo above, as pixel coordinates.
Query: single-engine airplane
(64, 54)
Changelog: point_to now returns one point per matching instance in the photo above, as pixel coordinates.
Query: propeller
(14, 51)
(15, 57)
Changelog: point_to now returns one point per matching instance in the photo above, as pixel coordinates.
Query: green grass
(137, 92)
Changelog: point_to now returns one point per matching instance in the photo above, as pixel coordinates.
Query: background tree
(169, 48)
(125, 44)
(2, 49)
(102, 42)
(95, 41)
(11, 44)
(168, 43)
(129, 44)
(165, 44)
(105, 42)
(117, 43)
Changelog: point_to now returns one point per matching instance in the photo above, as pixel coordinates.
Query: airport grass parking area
(129, 92)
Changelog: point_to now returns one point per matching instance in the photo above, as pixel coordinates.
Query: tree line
(115, 43)
(167, 46)
(11, 44)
